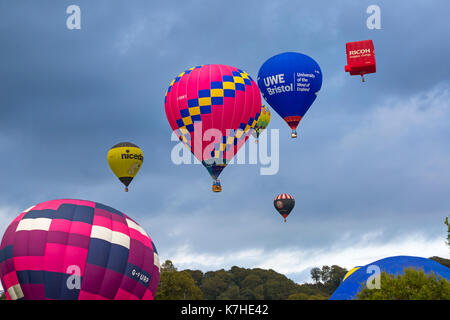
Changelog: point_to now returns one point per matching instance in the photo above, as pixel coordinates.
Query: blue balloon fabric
(354, 279)
(290, 82)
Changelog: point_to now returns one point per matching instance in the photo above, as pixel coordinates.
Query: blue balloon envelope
(290, 82)
(355, 278)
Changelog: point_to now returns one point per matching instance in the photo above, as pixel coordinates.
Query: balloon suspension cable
(294, 134)
(126, 189)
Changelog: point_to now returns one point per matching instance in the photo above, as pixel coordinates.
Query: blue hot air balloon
(356, 277)
(290, 82)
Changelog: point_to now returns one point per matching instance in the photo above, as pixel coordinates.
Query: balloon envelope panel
(77, 250)
(353, 281)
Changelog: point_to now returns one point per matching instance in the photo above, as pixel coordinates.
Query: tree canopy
(243, 284)
(177, 285)
(412, 285)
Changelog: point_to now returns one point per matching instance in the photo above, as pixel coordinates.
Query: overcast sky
(370, 172)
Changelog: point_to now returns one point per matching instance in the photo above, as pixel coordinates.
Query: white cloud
(7, 215)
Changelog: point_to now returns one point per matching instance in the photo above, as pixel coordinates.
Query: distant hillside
(244, 284)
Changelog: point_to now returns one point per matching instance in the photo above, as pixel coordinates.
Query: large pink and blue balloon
(77, 250)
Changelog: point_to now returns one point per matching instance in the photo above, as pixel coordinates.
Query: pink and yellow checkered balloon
(213, 109)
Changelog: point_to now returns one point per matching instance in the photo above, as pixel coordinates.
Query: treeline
(443, 261)
(259, 284)
(245, 284)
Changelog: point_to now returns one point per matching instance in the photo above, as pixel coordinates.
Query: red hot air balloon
(213, 109)
(360, 58)
(77, 250)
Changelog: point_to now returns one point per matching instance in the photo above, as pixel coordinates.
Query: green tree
(298, 296)
(2, 295)
(252, 281)
(197, 275)
(213, 285)
(448, 230)
(335, 277)
(239, 274)
(249, 294)
(412, 285)
(259, 292)
(232, 293)
(443, 261)
(325, 274)
(168, 266)
(316, 274)
(304, 296)
(279, 288)
(176, 285)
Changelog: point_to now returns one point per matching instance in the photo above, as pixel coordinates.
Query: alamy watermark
(266, 154)
(374, 20)
(73, 21)
(374, 280)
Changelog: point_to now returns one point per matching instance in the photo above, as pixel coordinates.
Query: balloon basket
(216, 187)
(294, 134)
(126, 189)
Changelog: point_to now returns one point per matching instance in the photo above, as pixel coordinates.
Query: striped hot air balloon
(284, 203)
(77, 250)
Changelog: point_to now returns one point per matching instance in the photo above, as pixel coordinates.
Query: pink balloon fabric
(77, 250)
(213, 109)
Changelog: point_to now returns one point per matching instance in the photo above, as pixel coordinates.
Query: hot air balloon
(263, 122)
(284, 203)
(77, 250)
(360, 58)
(354, 279)
(125, 159)
(213, 109)
(290, 82)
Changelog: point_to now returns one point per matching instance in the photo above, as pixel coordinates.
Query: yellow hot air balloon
(125, 159)
(263, 122)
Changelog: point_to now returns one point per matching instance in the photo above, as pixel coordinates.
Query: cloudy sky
(370, 172)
